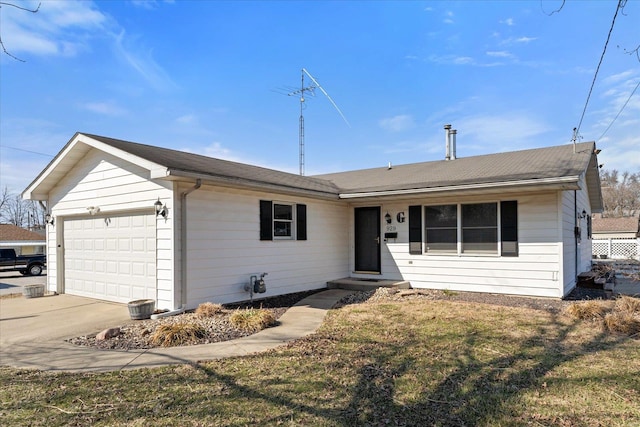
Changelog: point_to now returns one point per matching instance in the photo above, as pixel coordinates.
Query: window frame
(482, 228)
(290, 221)
(506, 230)
(268, 221)
(441, 229)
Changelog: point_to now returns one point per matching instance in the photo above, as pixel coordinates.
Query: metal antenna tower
(301, 92)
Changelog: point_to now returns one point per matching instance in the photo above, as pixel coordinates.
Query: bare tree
(5, 3)
(620, 193)
(23, 213)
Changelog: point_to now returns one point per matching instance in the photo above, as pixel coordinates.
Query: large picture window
(441, 228)
(467, 228)
(480, 228)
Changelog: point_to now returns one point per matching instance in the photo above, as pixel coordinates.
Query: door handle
(377, 239)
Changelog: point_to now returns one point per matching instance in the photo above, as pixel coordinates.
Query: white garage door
(111, 257)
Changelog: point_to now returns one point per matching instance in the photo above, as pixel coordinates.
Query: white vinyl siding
(118, 188)
(535, 271)
(224, 248)
(576, 253)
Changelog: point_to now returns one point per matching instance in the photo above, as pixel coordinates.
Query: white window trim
(292, 221)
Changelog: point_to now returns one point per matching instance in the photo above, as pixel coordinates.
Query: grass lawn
(413, 363)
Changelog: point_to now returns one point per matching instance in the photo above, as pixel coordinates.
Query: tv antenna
(311, 88)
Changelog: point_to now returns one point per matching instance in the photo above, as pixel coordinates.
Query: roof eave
(558, 183)
(39, 189)
(243, 183)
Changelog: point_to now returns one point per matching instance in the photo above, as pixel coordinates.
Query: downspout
(575, 233)
(183, 242)
(183, 253)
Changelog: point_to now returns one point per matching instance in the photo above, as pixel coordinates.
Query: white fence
(616, 248)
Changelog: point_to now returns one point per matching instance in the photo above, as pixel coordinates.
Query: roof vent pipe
(452, 134)
(447, 154)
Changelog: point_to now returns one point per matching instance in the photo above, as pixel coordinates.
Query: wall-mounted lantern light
(48, 219)
(387, 218)
(161, 210)
(583, 214)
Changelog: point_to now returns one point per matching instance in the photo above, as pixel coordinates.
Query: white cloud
(511, 40)
(618, 77)
(525, 39)
(500, 54)
(397, 123)
(105, 108)
(509, 21)
(58, 28)
(500, 132)
(142, 62)
(149, 4)
(448, 17)
(187, 119)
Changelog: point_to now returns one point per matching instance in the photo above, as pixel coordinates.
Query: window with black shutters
(469, 228)
(282, 221)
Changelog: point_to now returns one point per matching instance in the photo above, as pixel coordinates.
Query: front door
(367, 239)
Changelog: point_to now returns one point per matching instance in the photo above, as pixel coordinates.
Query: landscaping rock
(108, 334)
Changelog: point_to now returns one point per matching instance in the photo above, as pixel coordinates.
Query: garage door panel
(112, 258)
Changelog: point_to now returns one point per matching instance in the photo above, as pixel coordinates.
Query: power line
(26, 151)
(584, 110)
(619, 112)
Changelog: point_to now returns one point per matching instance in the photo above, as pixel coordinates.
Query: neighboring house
(24, 242)
(615, 228)
(616, 238)
(513, 223)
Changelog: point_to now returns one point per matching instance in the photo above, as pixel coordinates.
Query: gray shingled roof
(541, 165)
(535, 164)
(194, 164)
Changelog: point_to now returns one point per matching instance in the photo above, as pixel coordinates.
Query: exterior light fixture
(387, 218)
(161, 210)
(48, 219)
(93, 210)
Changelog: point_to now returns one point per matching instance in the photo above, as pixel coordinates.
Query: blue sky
(212, 78)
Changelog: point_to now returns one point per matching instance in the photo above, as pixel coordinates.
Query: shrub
(169, 335)
(208, 309)
(622, 323)
(628, 304)
(252, 320)
(587, 310)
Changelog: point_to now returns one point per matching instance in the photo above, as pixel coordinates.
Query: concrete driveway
(11, 282)
(32, 334)
(30, 327)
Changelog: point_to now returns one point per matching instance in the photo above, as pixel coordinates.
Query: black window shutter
(415, 230)
(301, 222)
(509, 227)
(266, 220)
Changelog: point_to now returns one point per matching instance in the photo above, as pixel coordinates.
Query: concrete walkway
(28, 336)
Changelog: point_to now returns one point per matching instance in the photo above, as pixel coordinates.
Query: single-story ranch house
(131, 221)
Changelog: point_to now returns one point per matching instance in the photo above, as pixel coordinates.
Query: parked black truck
(29, 265)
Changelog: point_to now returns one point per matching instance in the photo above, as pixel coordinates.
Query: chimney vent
(453, 143)
(447, 154)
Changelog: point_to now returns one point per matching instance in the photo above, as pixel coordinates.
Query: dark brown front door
(367, 239)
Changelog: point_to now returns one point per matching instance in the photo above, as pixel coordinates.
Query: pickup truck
(29, 265)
